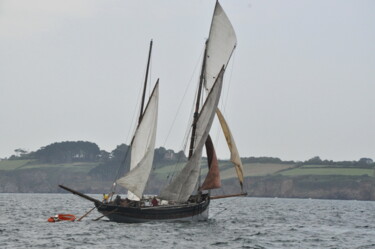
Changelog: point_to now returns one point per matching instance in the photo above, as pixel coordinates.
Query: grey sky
(301, 82)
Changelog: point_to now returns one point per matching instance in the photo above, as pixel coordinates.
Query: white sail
(183, 185)
(234, 155)
(221, 43)
(142, 149)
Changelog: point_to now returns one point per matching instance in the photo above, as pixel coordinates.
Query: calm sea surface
(233, 223)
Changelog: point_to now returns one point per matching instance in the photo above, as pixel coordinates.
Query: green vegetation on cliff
(328, 171)
(82, 166)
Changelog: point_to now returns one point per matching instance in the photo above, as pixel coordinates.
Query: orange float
(62, 217)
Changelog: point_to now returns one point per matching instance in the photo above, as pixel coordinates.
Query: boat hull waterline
(190, 211)
(180, 212)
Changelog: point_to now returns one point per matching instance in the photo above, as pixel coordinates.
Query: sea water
(233, 223)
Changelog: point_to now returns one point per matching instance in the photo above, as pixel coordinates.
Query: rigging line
(217, 136)
(131, 130)
(170, 176)
(123, 162)
(184, 144)
(225, 100)
(172, 173)
(183, 98)
(186, 138)
(223, 103)
(134, 125)
(134, 120)
(182, 147)
(220, 212)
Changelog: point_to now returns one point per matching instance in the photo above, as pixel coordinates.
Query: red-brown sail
(213, 176)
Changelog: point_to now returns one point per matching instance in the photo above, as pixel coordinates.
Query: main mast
(197, 104)
(145, 84)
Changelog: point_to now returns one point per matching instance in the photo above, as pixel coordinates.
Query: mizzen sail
(142, 149)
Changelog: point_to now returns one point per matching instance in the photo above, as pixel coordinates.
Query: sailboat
(184, 198)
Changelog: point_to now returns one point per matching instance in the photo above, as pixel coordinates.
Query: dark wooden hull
(181, 212)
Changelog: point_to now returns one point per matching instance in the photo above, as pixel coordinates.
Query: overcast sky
(301, 82)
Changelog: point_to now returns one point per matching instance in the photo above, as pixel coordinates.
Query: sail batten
(142, 149)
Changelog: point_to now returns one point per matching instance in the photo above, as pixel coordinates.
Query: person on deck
(118, 200)
(105, 198)
(154, 202)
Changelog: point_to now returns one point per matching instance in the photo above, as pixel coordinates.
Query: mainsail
(220, 45)
(184, 183)
(142, 149)
(234, 155)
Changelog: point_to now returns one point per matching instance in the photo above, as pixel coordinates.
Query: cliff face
(47, 180)
(316, 187)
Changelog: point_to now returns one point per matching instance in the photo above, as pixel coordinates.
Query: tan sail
(143, 146)
(234, 155)
(212, 180)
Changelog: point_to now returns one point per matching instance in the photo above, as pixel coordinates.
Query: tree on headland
(20, 152)
(119, 153)
(81, 151)
(264, 159)
(315, 161)
(104, 156)
(68, 152)
(365, 161)
(113, 164)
